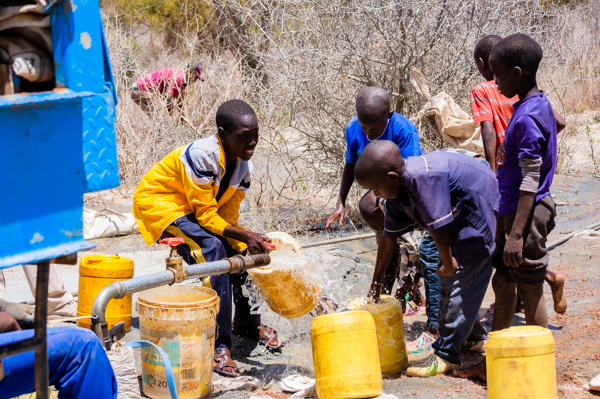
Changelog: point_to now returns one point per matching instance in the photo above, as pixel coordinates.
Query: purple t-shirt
(448, 189)
(531, 134)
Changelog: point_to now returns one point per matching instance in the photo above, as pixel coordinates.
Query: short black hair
(229, 110)
(372, 101)
(519, 50)
(484, 46)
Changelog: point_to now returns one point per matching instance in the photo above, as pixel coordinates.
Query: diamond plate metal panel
(99, 142)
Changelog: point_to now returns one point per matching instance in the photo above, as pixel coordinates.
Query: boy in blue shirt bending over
(373, 122)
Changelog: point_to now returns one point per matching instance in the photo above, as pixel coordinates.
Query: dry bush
(300, 64)
(144, 140)
(308, 59)
(570, 75)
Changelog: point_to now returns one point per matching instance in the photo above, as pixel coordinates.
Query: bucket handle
(166, 363)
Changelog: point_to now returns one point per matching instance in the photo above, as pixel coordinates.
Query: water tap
(174, 261)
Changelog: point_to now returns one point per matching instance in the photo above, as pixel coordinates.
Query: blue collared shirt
(399, 130)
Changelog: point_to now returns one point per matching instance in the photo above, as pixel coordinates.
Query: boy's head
(481, 54)
(373, 111)
(514, 61)
(195, 71)
(379, 168)
(237, 125)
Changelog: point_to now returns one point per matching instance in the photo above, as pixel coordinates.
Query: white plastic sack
(123, 364)
(99, 225)
(455, 126)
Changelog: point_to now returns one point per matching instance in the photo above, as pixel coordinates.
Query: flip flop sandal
(221, 360)
(268, 337)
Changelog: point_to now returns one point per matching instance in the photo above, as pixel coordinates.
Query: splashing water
(338, 274)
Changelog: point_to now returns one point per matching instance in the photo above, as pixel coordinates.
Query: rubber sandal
(411, 309)
(268, 337)
(221, 360)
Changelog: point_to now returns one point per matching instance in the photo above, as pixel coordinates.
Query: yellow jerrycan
(288, 291)
(520, 363)
(181, 319)
(345, 355)
(389, 325)
(95, 273)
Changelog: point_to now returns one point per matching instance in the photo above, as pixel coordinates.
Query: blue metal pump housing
(58, 144)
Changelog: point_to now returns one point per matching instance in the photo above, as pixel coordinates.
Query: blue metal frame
(59, 144)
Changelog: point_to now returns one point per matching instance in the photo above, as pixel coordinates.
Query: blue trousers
(204, 246)
(78, 366)
(429, 257)
(461, 296)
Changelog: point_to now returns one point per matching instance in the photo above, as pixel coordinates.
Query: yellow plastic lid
(343, 321)
(520, 341)
(107, 266)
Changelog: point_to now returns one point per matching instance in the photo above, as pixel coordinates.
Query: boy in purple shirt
(456, 198)
(526, 161)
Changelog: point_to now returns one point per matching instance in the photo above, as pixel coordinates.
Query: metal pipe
(120, 289)
(41, 326)
(564, 239)
(337, 240)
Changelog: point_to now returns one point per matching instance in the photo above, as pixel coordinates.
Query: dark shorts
(535, 235)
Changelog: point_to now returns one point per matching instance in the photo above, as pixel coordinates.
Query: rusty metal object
(241, 263)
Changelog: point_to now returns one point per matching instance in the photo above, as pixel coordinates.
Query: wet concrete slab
(346, 270)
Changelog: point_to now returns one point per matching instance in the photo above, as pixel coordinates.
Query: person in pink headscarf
(167, 82)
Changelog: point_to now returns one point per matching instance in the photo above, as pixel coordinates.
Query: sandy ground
(346, 270)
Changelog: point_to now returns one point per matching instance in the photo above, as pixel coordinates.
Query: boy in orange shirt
(493, 111)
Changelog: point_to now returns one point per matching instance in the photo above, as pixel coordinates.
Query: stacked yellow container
(95, 273)
(389, 325)
(345, 356)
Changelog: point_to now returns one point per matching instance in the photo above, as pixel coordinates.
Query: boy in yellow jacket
(195, 193)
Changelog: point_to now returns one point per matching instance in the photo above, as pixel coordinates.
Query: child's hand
(374, 292)
(513, 251)
(447, 271)
(338, 212)
(258, 243)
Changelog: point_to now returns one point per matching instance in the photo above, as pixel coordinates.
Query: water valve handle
(172, 241)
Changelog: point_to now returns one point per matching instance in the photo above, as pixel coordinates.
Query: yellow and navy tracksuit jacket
(187, 181)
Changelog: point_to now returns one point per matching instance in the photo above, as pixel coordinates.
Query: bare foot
(475, 371)
(557, 287)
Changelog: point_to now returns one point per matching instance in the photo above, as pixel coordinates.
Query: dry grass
(300, 63)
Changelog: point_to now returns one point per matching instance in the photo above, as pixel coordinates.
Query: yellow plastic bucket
(287, 291)
(181, 319)
(345, 356)
(95, 273)
(520, 363)
(390, 332)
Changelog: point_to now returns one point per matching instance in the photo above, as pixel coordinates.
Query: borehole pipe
(119, 289)
(337, 240)
(564, 239)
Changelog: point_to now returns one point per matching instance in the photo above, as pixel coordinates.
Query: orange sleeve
(481, 105)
